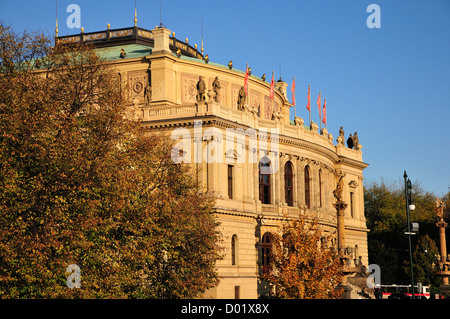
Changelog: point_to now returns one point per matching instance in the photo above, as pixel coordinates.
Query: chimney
(161, 41)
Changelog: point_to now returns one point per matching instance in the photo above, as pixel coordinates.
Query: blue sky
(391, 84)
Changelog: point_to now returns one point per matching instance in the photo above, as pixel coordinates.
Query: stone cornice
(212, 120)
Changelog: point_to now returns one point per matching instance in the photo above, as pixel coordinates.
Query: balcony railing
(134, 34)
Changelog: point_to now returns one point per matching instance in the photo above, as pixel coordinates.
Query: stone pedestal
(444, 291)
(347, 291)
(161, 41)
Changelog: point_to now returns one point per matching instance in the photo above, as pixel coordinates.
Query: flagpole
(295, 110)
(309, 90)
(320, 117)
(248, 91)
(273, 98)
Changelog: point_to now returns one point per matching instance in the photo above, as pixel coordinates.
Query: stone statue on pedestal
(216, 88)
(241, 99)
(341, 139)
(201, 89)
(148, 94)
(338, 192)
(356, 141)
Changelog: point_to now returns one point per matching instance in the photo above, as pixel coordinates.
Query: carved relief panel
(189, 88)
(255, 101)
(267, 108)
(137, 81)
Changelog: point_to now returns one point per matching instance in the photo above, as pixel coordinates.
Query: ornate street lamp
(409, 206)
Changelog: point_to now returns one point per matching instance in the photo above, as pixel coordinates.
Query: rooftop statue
(350, 141)
(356, 141)
(341, 139)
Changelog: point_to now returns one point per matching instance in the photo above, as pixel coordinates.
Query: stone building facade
(260, 165)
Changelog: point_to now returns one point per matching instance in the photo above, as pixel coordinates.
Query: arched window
(266, 248)
(288, 184)
(264, 180)
(234, 250)
(307, 187)
(320, 187)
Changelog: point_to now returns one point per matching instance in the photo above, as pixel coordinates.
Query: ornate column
(344, 254)
(443, 261)
(340, 209)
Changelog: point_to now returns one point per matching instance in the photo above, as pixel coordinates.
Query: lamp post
(409, 206)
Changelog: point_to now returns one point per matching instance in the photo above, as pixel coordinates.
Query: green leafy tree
(384, 205)
(423, 257)
(82, 183)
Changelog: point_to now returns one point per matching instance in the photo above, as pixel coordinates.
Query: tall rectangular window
(264, 181)
(230, 181)
(307, 188)
(288, 184)
(320, 188)
(352, 209)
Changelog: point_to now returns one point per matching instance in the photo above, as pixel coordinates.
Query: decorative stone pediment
(232, 154)
(353, 184)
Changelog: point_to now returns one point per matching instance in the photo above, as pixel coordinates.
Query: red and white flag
(272, 87)
(246, 81)
(324, 111)
(308, 106)
(318, 105)
(293, 91)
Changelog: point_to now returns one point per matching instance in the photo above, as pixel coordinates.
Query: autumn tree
(82, 183)
(305, 264)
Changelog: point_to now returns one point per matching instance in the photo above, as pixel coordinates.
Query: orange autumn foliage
(81, 183)
(304, 266)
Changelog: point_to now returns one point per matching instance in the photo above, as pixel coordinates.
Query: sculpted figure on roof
(350, 141)
(356, 141)
(340, 139)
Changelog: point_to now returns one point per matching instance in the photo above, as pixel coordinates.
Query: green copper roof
(131, 50)
(140, 50)
(183, 57)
